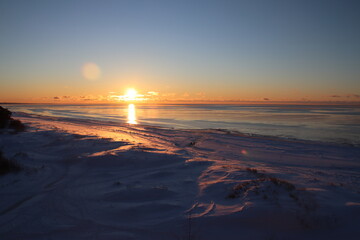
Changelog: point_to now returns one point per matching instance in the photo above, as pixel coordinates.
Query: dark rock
(5, 116)
(7, 122)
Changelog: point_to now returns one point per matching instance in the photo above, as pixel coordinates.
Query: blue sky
(236, 50)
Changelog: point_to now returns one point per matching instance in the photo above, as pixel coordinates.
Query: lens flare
(91, 71)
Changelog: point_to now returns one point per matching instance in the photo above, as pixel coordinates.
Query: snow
(86, 179)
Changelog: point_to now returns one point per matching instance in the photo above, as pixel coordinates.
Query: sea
(327, 123)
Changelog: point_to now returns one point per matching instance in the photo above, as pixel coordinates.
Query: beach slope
(83, 179)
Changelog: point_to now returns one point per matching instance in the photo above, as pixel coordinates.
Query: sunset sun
(131, 94)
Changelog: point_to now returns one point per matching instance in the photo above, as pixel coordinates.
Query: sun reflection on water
(131, 114)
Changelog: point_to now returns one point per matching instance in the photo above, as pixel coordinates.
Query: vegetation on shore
(6, 121)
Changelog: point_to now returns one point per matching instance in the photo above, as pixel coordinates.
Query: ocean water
(340, 124)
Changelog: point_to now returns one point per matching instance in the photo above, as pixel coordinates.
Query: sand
(85, 179)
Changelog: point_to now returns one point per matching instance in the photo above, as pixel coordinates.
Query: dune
(87, 179)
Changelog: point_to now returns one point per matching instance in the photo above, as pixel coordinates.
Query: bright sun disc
(131, 94)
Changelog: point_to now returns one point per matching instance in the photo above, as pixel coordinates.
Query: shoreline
(119, 181)
(109, 122)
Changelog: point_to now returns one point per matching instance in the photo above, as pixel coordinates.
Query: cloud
(152, 93)
(92, 98)
(353, 96)
(266, 99)
(56, 98)
(347, 96)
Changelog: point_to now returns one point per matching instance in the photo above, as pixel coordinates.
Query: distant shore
(310, 103)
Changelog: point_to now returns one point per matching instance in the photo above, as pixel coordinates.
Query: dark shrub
(8, 166)
(7, 121)
(17, 125)
(4, 117)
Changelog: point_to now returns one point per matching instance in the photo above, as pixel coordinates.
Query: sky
(169, 51)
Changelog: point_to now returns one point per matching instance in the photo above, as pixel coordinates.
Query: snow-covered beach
(87, 179)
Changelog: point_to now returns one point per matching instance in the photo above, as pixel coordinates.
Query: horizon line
(314, 102)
